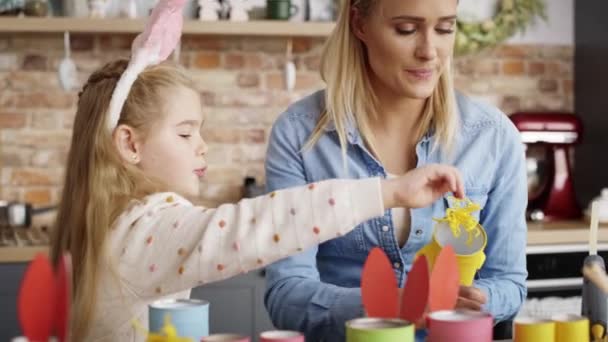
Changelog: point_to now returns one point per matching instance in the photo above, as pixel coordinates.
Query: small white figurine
(209, 10)
(97, 8)
(238, 10)
(128, 9)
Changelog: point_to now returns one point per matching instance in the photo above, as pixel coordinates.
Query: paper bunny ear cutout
(380, 294)
(44, 299)
(159, 38)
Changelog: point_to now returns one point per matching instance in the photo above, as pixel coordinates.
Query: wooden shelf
(191, 27)
(21, 254)
(567, 232)
(548, 234)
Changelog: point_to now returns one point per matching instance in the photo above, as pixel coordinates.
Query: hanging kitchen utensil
(67, 69)
(13, 214)
(290, 67)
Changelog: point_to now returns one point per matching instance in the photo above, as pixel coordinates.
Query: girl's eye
(185, 136)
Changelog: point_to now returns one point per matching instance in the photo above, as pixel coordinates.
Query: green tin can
(379, 330)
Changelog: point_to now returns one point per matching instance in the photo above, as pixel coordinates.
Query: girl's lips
(200, 172)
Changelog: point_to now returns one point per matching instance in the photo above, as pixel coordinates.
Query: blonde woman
(390, 107)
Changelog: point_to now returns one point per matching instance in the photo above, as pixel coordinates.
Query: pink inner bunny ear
(163, 30)
(36, 300)
(379, 286)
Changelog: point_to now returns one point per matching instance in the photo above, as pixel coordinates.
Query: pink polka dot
(222, 224)
(293, 211)
(152, 268)
(176, 224)
(332, 202)
(236, 246)
(316, 230)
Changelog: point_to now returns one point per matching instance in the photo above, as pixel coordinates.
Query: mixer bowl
(537, 170)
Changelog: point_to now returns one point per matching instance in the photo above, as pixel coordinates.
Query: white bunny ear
(159, 38)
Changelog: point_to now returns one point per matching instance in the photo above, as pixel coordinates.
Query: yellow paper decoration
(460, 217)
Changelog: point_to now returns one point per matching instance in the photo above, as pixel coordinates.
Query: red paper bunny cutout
(44, 299)
(436, 291)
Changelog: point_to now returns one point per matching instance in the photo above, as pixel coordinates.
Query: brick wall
(240, 80)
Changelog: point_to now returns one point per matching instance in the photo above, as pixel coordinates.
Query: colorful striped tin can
(459, 326)
(379, 330)
(226, 338)
(570, 327)
(190, 317)
(281, 336)
(532, 329)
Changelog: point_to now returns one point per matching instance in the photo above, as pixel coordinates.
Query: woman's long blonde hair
(98, 183)
(350, 99)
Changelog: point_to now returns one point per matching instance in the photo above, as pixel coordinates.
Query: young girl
(134, 237)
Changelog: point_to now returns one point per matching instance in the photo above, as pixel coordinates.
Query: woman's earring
(134, 158)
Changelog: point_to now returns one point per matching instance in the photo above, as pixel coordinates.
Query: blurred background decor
(11, 7)
(483, 24)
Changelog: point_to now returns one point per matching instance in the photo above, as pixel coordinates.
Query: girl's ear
(127, 143)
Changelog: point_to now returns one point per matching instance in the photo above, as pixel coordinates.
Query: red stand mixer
(549, 139)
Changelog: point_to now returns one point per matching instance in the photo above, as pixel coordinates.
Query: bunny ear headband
(151, 47)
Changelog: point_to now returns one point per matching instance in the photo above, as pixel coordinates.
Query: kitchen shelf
(21, 254)
(564, 232)
(191, 27)
(573, 233)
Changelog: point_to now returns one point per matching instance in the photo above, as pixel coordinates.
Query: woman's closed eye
(185, 136)
(446, 27)
(405, 29)
(443, 28)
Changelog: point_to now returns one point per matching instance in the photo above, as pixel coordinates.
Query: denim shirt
(317, 291)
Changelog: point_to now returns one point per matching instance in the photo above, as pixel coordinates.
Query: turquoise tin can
(190, 317)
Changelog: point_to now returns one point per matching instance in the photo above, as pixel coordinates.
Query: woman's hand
(422, 186)
(470, 298)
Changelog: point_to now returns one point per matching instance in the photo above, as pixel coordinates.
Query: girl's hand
(422, 186)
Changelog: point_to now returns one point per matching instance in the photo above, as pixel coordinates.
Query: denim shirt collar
(354, 136)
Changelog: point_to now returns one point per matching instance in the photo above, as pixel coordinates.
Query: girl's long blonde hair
(350, 99)
(98, 183)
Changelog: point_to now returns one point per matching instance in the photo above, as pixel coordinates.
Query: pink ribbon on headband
(151, 47)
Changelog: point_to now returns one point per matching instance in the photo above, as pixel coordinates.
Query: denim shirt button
(397, 265)
(418, 232)
(385, 229)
